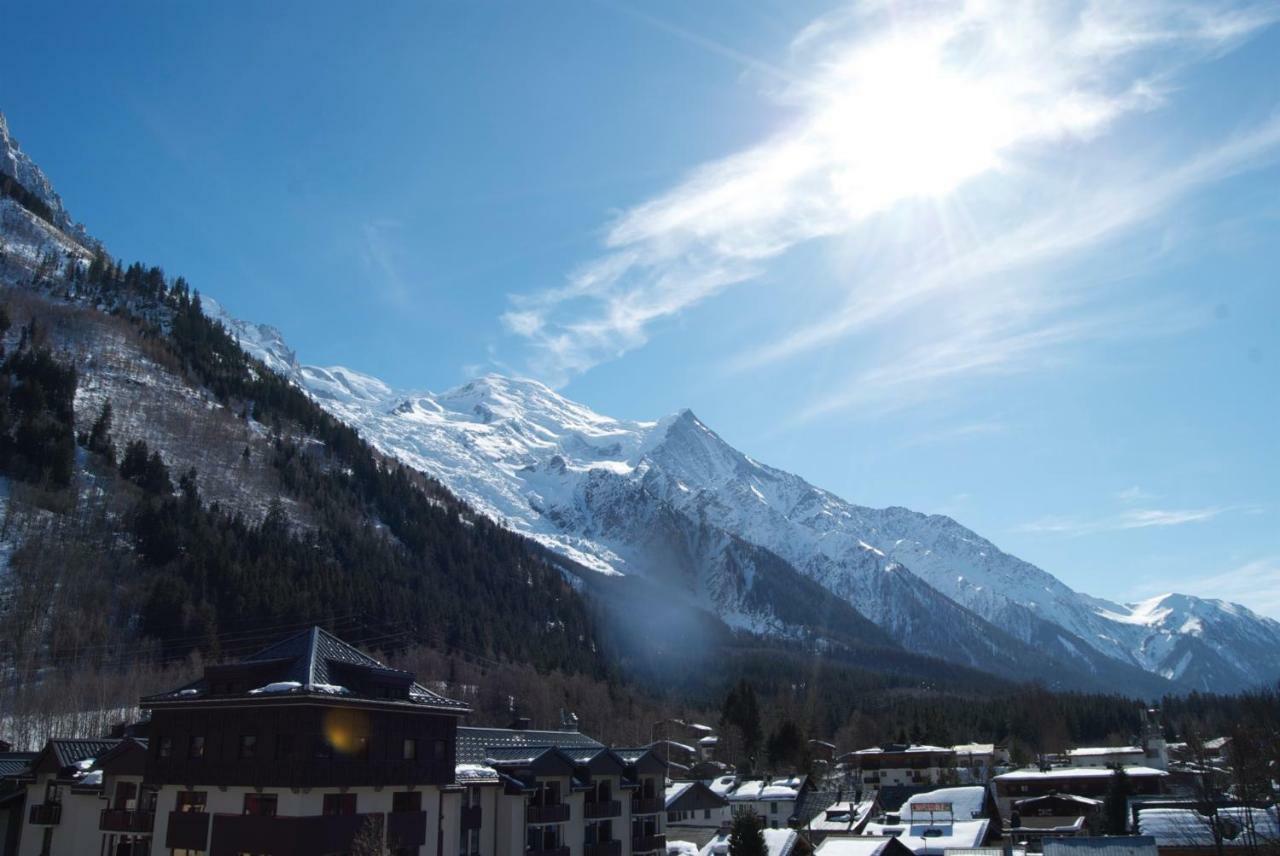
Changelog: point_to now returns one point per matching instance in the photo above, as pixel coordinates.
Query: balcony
(648, 843)
(188, 830)
(291, 836)
(408, 829)
(553, 851)
(472, 818)
(45, 814)
(601, 810)
(648, 805)
(547, 813)
(603, 848)
(122, 820)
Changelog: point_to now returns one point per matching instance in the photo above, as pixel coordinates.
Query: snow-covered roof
(1185, 827)
(841, 816)
(710, 740)
(912, 749)
(767, 789)
(974, 748)
(966, 803)
(675, 789)
(1032, 774)
(1089, 751)
(852, 845)
(474, 773)
(723, 785)
(933, 839)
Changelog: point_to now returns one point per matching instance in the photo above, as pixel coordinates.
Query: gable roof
(15, 763)
(60, 753)
(313, 662)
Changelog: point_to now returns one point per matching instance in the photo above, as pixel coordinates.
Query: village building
(899, 764)
(1234, 829)
(771, 800)
(1090, 782)
(976, 762)
(1113, 845)
(695, 804)
(864, 845)
(777, 842)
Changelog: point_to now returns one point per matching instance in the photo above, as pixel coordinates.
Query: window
(406, 801)
(773, 808)
(362, 748)
(706, 814)
(191, 801)
(52, 793)
(164, 747)
(284, 747)
(195, 748)
(339, 804)
(248, 746)
(437, 750)
(262, 805)
(410, 749)
(126, 796)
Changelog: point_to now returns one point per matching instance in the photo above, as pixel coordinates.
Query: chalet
(863, 845)
(842, 818)
(899, 764)
(777, 842)
(772, 800)
(1066, 814)
(298, 748)
(1106, 756)
(695, 804)
(1090, 782)
(557, 793)
(947, 818)
(976, 762)
(64, 798)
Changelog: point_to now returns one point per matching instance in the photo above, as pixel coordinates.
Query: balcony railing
(598, 810)
(472, 818)
(123, 820)
(647, 805)
(45, 814)
(188, 830)
(603, 848)
(553, 851)
(648, 843)
(558, 813)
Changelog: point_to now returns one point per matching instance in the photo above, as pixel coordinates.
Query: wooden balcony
(648, 843)
(601, 810)
(648, 805)
(472, 817)
(603, 848)
(558, 813)
(122, 820)
(188, 830)
(45, 814)
(290, 836)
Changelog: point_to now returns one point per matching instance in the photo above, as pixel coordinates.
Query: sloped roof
(477, 745)
(307, 663)
(15, 763)
(67, 752)
(1111, 845)
(966, 802)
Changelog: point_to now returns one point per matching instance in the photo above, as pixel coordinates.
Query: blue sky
(1012, 263)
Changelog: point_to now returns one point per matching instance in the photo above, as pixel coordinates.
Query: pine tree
(1116, 806)
(746, 837)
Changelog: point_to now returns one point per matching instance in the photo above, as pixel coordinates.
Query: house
(899, 764)
(707, 747)
(929, 823)
(64, 798)
(1111, 845)
(14, 767)
(772, 800)
(862, 845)
(976, 762)
(1090, 782)
(696, 804)
(1105, 756)
(840, 819)
(299, 747)
(1056, 814)
(1187, 832)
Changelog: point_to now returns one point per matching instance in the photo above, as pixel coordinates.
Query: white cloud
(1134, 494)
(1256, 583)
(899, 109)
(1138, 518)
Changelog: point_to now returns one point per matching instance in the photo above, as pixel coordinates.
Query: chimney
(568, 720)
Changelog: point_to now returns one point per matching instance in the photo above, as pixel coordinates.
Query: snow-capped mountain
(664, 499)
(14, 162)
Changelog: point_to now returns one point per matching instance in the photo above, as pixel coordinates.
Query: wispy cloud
(1256, 583)
(899, 108)
(1134, 494)
(1137, 518)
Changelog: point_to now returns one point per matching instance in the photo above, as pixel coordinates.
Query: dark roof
(476, 745)
(15, 763)
(68, 752)
(813, 802)
(320, 664)
(893, 796)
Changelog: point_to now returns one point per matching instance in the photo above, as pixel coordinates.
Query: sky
(1014, 263)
